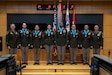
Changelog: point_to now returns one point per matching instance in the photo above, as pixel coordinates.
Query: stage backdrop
(44, 19)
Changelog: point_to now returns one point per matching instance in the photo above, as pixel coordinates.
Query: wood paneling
(103, 72)
(107, 31)
(108, 43)
(108, 19)
(3, 72)
(82, 7)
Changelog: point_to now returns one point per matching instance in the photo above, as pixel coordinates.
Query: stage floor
(66, 69)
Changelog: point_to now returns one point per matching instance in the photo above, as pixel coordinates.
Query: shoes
(58, 63)
(74, 63)
(36, 64)
(71, 63)
(62, 63)
(84, 63)
(25, 63)
(49, 63)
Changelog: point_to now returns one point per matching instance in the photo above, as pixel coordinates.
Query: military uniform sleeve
(19, 37)
(29, 37)
(55, 36)
(7, 39)
(68, 40)
(92, 39)
(91, 43)
(101, 40)
(79, 37)
(42, 38)
(67, 37)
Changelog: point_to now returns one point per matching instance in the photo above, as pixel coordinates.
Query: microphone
(109, 52)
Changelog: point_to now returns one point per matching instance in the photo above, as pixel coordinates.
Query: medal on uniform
(86, 32)
(36, 33)
(89, 33)
(64, 31)
(11, 33)
(27, 32)
(39, 34)
(61, 30)
(49, 32)
(99, 34)
(24, 31)
(16, 33)
(73, 33)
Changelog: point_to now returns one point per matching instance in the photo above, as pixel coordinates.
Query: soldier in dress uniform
(12, 39)
(25, 40)
(74, 41)
(36, 43)
(97, 40)
(86, 44)
(61, 42)
(49, 42)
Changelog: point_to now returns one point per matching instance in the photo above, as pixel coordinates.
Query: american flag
(54, 23)
(67, 19)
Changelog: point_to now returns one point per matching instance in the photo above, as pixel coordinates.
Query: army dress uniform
(97, 41)
(74, 41)
(49, 42)
(36, 43)
(25, 40)
(12, 39)
(86, 41)
(61, 42)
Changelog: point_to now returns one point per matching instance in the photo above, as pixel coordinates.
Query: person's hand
(31, 46)
(101, 47)
(19, 45)
(91, 47)
(28, 44)
(68, 45)
(80, 45)
(40, 46)
(9, 47)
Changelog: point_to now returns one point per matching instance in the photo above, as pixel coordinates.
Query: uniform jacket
(12, 39)
(97, 39)
(61, 38)
(74, 40)
(49, 39)
(86, 40)
(36, 39)
(25, 38)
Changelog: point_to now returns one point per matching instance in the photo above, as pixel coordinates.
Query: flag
(73, 16)
(67, 19)
(59, 16)
(54, 22)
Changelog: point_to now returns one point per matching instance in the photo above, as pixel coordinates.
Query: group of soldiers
(37, 39)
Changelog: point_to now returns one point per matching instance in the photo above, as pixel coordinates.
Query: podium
(101, 65)
(7, 63)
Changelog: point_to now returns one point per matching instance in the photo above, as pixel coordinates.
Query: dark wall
(44, 19)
